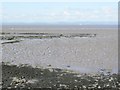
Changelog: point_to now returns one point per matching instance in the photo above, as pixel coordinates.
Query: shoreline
(31, 29)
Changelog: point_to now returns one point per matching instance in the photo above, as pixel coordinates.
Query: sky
(60, 12)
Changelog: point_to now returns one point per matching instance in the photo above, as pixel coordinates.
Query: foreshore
(84, 52)
(81, 52)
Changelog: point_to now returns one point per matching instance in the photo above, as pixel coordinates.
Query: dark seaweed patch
(16, 41)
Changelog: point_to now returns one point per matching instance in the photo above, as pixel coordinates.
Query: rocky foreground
(27, 77)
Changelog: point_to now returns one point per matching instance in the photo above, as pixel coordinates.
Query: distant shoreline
(57, 26)
(54, 29)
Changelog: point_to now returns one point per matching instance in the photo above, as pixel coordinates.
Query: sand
(80, 54)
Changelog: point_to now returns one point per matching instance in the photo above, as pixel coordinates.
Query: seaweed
(15, 41)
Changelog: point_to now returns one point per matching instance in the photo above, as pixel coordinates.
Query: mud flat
(78, 53)
(87, 51)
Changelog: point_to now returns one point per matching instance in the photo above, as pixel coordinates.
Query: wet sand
(80, 54)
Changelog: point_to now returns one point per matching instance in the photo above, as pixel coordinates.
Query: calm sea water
(58, 26)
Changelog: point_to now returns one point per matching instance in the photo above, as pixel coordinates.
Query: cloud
(0, 12)
(108, 10)
(110, 13)
(106, 14)
(66, 13)
(101, 14)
